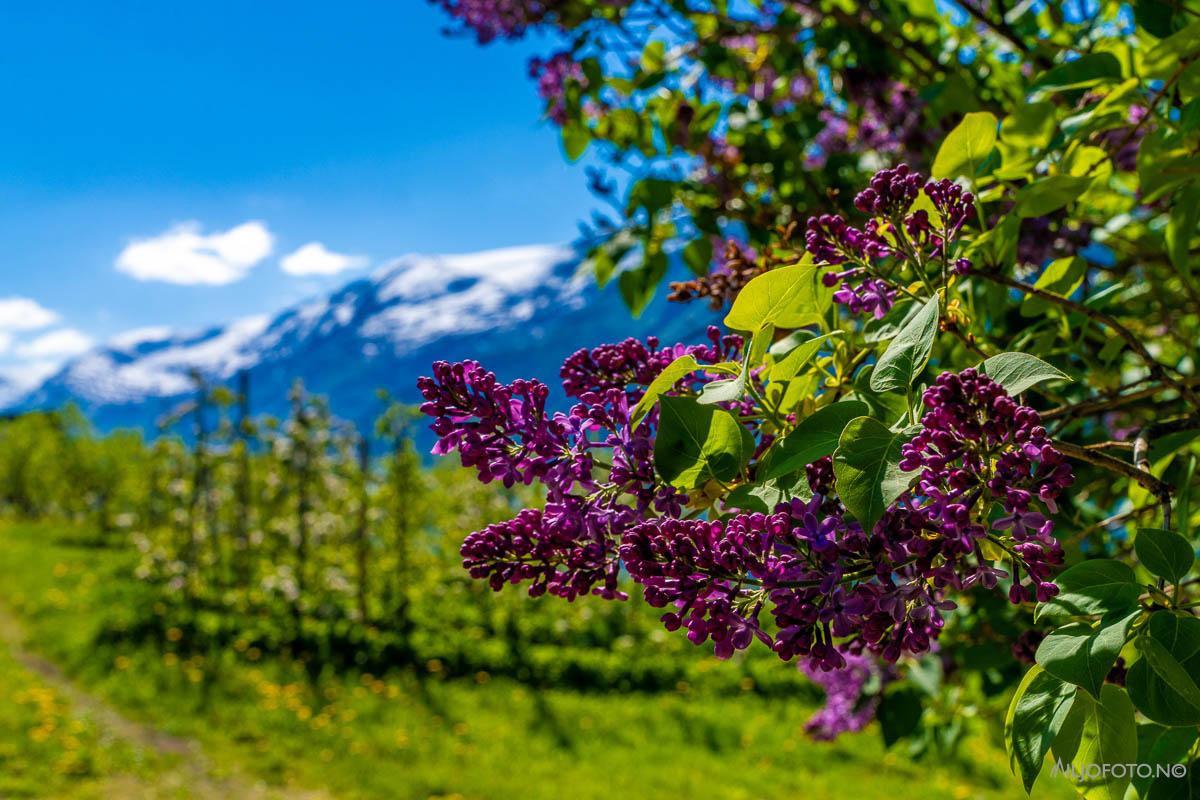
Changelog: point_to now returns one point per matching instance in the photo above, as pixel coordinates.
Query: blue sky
(355, 128)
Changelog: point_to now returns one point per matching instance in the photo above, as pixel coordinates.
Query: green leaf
(1044, 195)
(1081, 73)
(1023, 134)
(1183, 504)
(1165, 57)
(1161, 745)
(816, 436)
(1161, 682)
(889, 407)
(905, 357)
(1181, 227)
(1175, 787)
(697, 255)
(1111, 112)
(1062, 277)
(966, 147)
(652, 194)
(1017, 372)
(996, 248)
(1083, 655)
(1066, 744)
(732, 389)
(763, 497)
(603, 266)
(785, 296)
(576, 137)
(1171, 672)
(1165, 553)
(666, 380)
(1158, 17)
(1109, 736)
(866, 467)
(791, 364)
(1165, 162)
(1030, 126)
(654, 56)
(1035, 716)
(696, 443)
(1100, 586)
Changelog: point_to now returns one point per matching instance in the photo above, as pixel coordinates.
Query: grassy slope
(400, 737)
(48, 747)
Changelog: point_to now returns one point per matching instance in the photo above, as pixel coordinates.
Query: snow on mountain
(520, 311)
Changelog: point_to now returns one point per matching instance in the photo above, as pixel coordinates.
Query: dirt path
(192, 774)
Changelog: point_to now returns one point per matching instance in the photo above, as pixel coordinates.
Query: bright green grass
(403, 738)
(49, 747)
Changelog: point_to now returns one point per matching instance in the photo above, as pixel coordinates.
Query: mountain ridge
(519, 311)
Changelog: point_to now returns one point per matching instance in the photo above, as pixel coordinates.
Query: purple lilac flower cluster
(847, 708)
(564, 550)
(633, 364)
(830, 588)
(553, 75)
(511, 19)
(895, 233)
(505, 433)
(805, 579)
(498, 19)
(979, 448)
(890, 120)
(1053, 236)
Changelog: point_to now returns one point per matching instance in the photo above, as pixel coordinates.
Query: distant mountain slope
(520, 311)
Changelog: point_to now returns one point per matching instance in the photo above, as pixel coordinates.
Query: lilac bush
(959, 247)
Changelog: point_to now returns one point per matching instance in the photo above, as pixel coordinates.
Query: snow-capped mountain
(520, 311)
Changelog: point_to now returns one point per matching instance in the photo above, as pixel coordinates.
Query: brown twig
(1110, 401)
(1152, 484)
(1099, 317)
(1114, 519)
(1110, 445)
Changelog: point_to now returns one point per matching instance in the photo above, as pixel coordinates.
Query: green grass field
(128, 721)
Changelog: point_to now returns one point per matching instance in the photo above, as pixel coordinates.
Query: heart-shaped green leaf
(1165, 553)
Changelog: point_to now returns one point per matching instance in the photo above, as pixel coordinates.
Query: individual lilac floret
(872, 296)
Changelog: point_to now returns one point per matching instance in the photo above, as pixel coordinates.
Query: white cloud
(23, 314)
(314, 259)
(6, 340)
(61, 343)
(186, 256)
